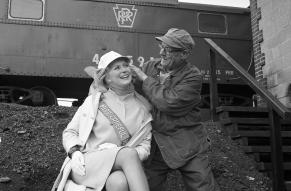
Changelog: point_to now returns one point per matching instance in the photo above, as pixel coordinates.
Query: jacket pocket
(190, 142)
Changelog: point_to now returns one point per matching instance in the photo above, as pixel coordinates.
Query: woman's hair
(114, 61)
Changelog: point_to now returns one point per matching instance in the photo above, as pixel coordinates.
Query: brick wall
(271, 28)
(259, 56)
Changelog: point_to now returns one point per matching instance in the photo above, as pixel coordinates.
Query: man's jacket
(176, 124)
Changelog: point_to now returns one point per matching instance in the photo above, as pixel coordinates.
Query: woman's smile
(124, 76)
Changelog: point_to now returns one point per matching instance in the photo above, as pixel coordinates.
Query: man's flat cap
(177, 38)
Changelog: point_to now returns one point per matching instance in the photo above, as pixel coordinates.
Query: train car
(46, 44)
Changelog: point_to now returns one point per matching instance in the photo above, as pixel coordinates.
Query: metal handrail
(283, 111)
(276, 110)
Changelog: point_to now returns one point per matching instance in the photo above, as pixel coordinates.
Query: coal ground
(31, 152)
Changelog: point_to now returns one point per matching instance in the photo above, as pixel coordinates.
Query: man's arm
(180, 98)
(177, 100)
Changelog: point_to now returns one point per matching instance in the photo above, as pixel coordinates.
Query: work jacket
(176, 124)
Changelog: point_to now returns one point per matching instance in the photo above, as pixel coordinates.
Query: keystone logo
(124, 15)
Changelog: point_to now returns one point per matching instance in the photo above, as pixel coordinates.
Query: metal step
(260, 133)
(268, 166)
(263, 149)
(250, 127)
(251, 121)
(240, 109)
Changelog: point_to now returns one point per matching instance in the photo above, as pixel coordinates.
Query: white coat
(85, 117)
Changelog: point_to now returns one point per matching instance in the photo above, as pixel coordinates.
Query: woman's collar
(121, 97)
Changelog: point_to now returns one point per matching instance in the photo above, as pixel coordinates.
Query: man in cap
(173, 86)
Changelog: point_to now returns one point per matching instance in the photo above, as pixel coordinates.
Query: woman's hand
(78, 163)
(98, 75)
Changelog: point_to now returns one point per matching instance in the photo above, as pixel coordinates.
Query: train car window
(26, 10)
(212, 23)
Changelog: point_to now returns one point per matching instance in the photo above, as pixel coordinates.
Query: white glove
(98, 75)
(137, 72)
(72, 186)
(78, 163)
(106, 146)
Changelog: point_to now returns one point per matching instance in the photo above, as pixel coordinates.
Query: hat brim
(168, 42)
(119, 58)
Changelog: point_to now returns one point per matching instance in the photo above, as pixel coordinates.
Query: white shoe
(72, 186)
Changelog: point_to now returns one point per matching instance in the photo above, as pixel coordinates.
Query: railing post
(276, 151)
(276, 111)
(213, 86)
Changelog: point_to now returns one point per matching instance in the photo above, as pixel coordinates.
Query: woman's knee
(116, 181)
(128, 154)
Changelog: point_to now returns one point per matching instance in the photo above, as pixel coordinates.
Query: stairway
(250, 127)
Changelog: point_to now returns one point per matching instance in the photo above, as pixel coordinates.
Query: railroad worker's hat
(177, 38)
(109, 57)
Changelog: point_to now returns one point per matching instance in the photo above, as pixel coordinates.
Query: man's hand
(78, 163)
(138, 72)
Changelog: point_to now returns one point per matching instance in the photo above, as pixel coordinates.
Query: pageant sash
(117, 124)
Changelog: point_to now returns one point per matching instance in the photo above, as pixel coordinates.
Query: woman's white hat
(109, 57)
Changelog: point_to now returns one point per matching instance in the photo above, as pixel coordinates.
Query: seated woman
(109, 135)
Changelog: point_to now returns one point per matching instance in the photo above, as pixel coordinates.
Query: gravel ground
(31, 152)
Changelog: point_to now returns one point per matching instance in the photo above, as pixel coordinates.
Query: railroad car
(46, 44)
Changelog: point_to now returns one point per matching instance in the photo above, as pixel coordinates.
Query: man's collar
(173, 72)
(161, 68)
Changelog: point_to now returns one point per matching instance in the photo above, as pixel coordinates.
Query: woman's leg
(128, 161)
(117, 182)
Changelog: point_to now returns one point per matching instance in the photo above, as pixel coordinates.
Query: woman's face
(119, 74)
